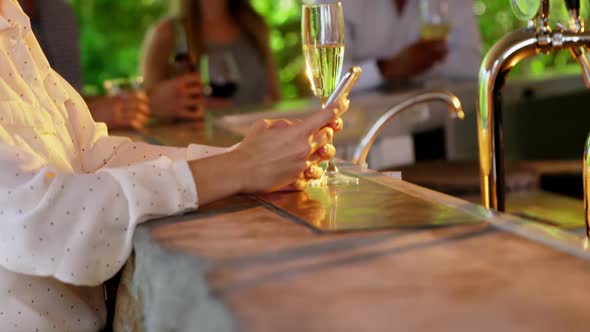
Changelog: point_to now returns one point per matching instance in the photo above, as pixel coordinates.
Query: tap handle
(544, 13)
(530, 10)
(573, 5)
(576, 23)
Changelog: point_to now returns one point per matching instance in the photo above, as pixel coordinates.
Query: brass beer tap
(537, 38)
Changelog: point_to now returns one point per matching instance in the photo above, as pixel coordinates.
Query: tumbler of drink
(118, 86)
(435, 23)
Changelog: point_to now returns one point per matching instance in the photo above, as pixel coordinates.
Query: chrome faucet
(502, 57)
(363, 148)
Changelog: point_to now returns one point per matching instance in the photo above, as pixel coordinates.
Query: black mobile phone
(345, 85)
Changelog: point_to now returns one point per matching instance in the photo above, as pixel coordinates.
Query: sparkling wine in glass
(435, 24)
(322, 29)
(219, 74)
(323, 65)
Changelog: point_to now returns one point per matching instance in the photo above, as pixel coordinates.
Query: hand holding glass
(322, 29)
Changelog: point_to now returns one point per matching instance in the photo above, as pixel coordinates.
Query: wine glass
(435, 24)
(322, 29)
(219, 74)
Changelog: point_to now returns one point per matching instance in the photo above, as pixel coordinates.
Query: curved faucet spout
(362, 150)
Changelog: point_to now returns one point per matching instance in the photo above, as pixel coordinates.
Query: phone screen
(346, 84)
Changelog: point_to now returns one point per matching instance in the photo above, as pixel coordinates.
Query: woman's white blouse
(70, 195)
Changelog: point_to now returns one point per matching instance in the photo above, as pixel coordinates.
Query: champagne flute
(322, 29)
(435, 23)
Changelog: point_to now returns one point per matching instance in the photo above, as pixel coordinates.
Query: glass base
(334, 179)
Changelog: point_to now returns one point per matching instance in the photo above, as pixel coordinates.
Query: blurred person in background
(384, 37)
(205, 27)
(55, 25)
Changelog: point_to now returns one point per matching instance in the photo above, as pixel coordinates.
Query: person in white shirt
(383, 37)
(71, 196)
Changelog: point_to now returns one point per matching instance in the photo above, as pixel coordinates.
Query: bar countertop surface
(239, 265)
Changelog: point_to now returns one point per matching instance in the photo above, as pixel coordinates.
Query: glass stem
(331, 169)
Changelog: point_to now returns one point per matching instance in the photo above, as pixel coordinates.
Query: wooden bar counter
(239, 265)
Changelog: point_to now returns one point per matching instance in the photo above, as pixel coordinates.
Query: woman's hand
(283, 154)
(313, 171)
(213, 103)
(179, 98)
(126, 110)
(275, 155)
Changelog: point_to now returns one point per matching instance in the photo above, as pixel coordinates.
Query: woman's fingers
(133, 110)
(133, 107)
(189, 114)
(340, 106)
(323, 137)
(142, 118)
(134, 120)
(300, 184)
(317, 120)
(133, 115)
(191, 104)
(195, 91)
(137, 124)
(144, 109)
(282, 123)
(326, 152)
(191, 79)
(337, 124)
(313, 172)
(134, 96)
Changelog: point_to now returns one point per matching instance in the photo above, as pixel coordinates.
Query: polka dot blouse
(70, 195)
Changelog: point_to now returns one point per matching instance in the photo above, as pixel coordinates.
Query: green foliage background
(113, 31)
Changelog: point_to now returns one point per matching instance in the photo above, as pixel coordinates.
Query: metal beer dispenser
(537, 38)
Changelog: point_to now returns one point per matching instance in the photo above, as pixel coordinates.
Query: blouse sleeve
(78, 228)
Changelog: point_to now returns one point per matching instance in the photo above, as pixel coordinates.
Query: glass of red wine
(219, 74)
